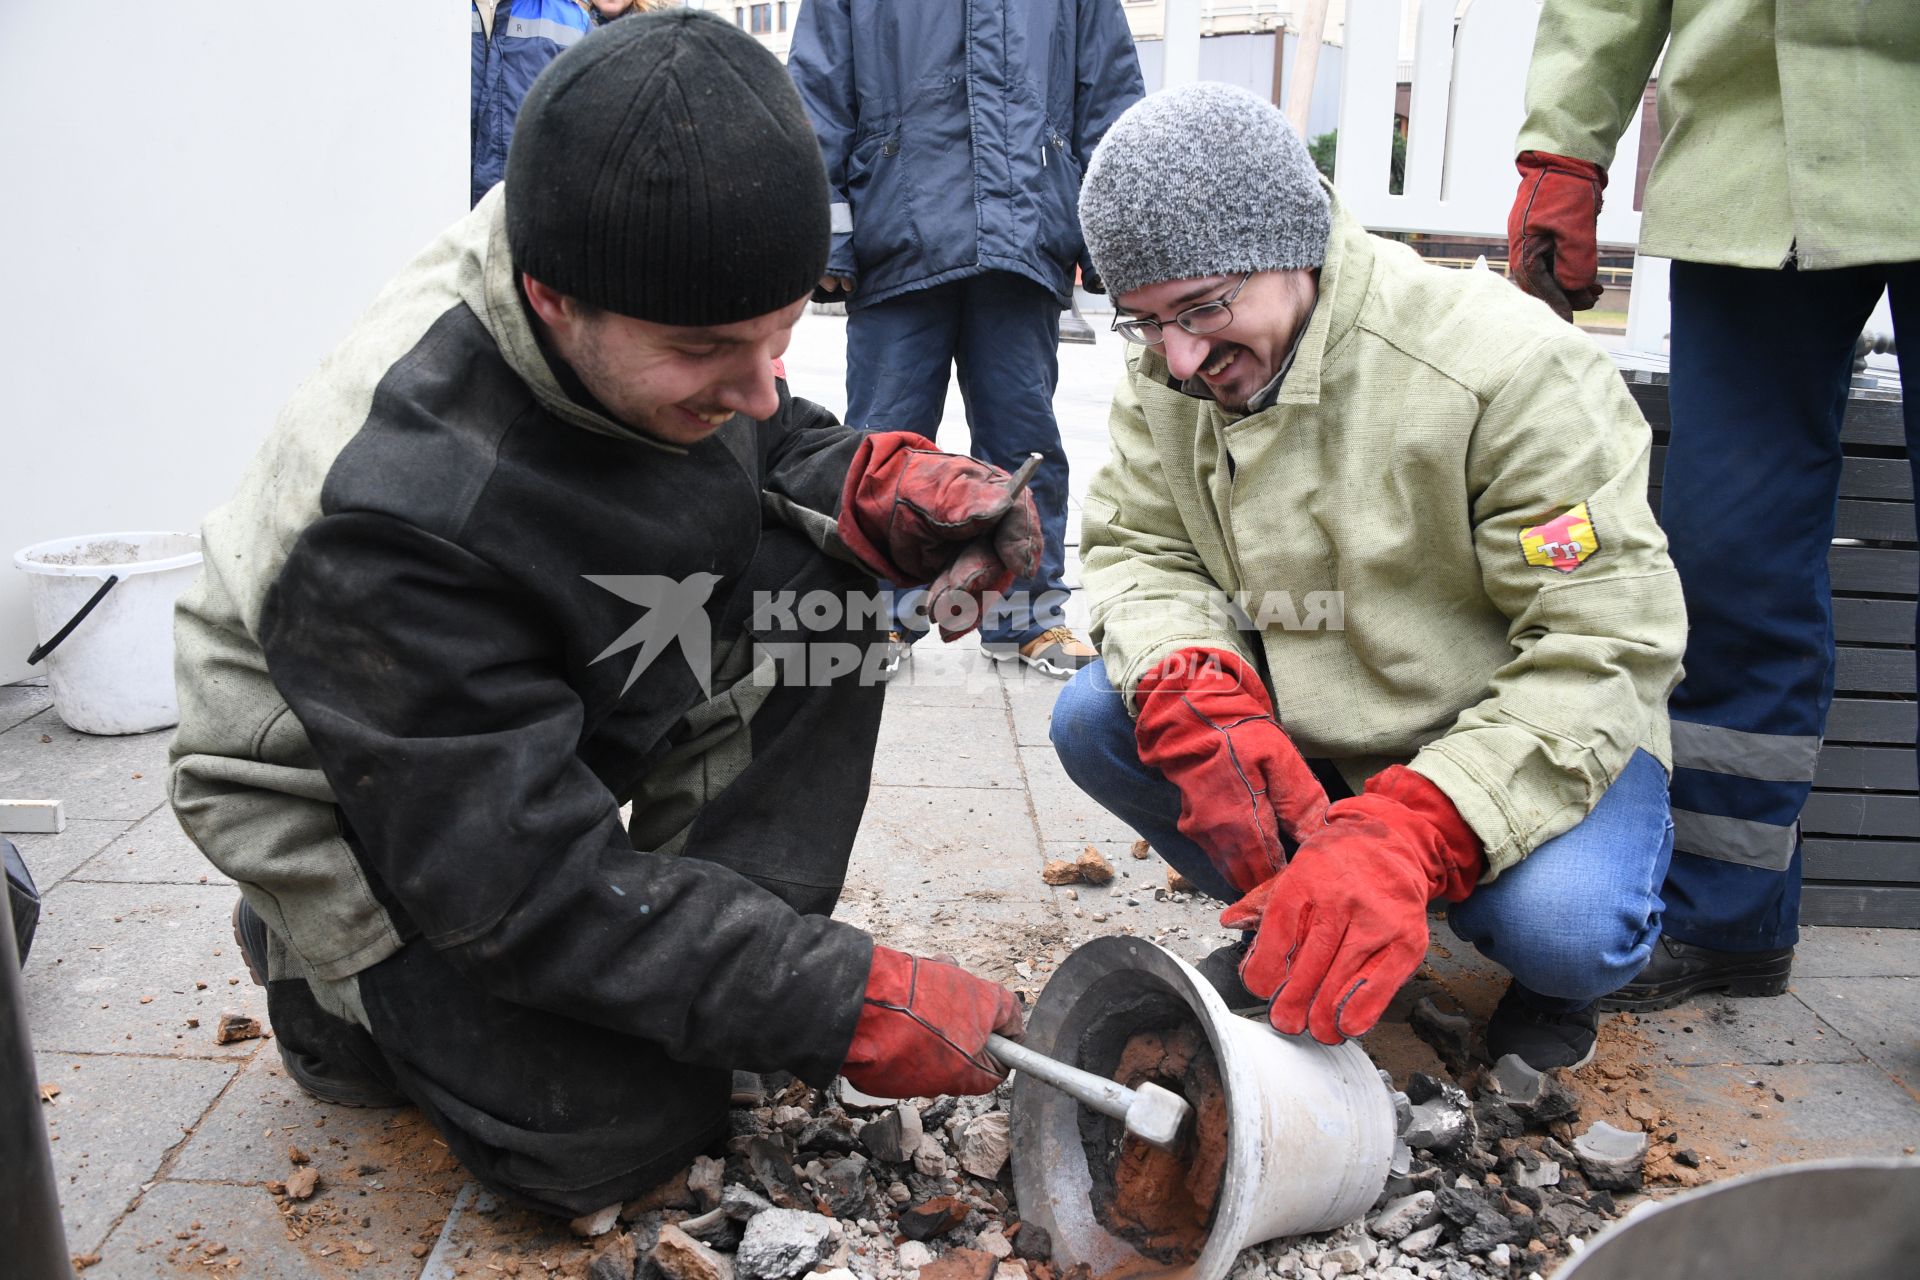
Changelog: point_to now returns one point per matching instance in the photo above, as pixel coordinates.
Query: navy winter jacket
(955, 132)
(527, 35)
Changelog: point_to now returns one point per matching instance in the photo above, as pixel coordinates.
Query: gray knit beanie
(1201, 180)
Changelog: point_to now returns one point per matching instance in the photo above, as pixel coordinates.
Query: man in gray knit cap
(1375, 581)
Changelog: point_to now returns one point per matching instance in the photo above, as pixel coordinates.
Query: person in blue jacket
(954, 137)
(513, 41)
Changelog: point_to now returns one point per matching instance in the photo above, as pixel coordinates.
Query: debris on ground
(235, 1027)
(1141, 850)
(1089, 868)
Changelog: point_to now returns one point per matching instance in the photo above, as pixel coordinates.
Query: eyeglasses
(1208, 317)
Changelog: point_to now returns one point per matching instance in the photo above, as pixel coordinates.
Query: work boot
(1221, 969)
(1054, 652)
(898, 650)
(1541, 1031)
(1679, 970)
(329, 1057)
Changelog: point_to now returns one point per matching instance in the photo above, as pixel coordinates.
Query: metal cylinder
(36, 1243)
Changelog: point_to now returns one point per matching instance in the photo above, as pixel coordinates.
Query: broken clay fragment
(235, 1027)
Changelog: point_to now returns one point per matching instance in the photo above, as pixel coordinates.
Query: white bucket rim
(24, 560)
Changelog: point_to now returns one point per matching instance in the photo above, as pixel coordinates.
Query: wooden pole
(1306, 60)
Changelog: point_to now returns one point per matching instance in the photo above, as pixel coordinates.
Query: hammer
(1151, 1114)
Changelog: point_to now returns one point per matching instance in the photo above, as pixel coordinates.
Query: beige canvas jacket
(1440, 532)
(1787, 126)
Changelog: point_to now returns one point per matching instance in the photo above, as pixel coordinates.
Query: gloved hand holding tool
(915, 515)
(1346, 923)
(923, 1030)
(1551, 249)
(1207, 723)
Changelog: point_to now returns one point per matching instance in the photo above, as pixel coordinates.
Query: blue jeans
(1002, 332)
(1574, 920)
(1761, 363)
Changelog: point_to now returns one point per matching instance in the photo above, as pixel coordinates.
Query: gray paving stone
(101, 947)
(944, 843)
(247, 1221)
(485, 1233)
(1714, 1029)
(942, 675)
(52, 858)
(245, 1137)
(154, 851)
(1830, 1110)
(1137, 881)
(112, 1124)
(1838, 953)
(1032, 697)
(1880, 1015)
(934, 746)
(97, 777)
(1065, 812)
(21, 702)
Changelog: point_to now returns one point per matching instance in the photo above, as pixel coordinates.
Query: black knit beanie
(664, 168)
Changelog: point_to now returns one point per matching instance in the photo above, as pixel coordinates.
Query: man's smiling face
(1234, 362)
(672, 382)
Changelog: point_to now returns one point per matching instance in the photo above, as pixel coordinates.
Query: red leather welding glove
(1207, 723)
(1346, 923)
(914, 515)
(1551, 251)
(923, 1030)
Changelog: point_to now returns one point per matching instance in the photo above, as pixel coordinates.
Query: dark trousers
(566, 1117)
(1761, 364)
(1001, 331)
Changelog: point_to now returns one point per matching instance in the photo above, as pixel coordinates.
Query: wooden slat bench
(1861, 825)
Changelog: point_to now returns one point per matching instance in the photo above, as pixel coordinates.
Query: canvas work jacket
(396, 720)
(1786, 125)
(1435, 542)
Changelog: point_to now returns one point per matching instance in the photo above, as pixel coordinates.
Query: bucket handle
(74, 621)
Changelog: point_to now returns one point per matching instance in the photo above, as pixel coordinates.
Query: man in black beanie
(503, 567)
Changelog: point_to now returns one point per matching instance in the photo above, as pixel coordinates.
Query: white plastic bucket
(113, 672)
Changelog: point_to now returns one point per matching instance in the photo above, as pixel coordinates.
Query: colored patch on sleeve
(1563, 543)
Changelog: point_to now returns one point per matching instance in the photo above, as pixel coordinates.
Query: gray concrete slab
(1719, 1030)
(161, 1238)
(1138, 899)
(943, 675)
(1824, 1111)
(485, 1237)
(246, 1137)
(154, 851)
(1838, 953)
(52, 858)
(929, 746)
(942, 843)
(1879, 1015)
(1031, 697)
(96, 777)
(21, 702)
(102, 948)
(1064, 811)
(112, 1125)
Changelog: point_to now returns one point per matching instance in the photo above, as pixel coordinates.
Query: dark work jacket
(955, 133)
(396, 719)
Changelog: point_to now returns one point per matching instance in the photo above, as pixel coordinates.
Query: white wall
(196, 203)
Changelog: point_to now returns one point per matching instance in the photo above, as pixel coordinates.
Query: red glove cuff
(1204, 671)
(1531, 164)
(1462, 858)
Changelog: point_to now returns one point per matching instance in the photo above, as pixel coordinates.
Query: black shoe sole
(310, 1073)
(1768, 978)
